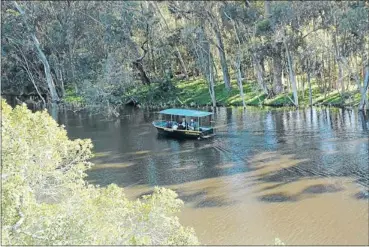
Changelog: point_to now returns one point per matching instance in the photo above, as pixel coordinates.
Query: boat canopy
(186, 112)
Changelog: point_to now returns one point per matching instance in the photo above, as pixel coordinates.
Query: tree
(46, 201)
(364, 97)
(205, 60)
(125, 45)
(49, 79)
(221, 49)
(237, 63)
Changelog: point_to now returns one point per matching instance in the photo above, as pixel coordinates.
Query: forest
(103, 55)
(107, 54)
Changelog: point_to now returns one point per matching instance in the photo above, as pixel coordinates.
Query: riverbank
(195, 93)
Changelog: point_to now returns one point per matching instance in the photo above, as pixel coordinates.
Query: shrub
(46, 201)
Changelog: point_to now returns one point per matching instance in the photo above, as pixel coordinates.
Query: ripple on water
(301, 175)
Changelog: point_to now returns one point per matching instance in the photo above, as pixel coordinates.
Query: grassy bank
(195, 93)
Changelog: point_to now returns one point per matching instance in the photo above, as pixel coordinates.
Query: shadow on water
(311, 190)
(199, 199)
(278, 197)
(362, 195)
(215, 202)
(321, 143)
(321, 188)
(267, 172)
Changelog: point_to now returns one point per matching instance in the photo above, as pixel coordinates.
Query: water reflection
(258, 158)
(321, 136)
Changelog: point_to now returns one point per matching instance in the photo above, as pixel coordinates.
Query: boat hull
(180, 134)
(201, 133)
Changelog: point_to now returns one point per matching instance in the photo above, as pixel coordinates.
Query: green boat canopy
(185, 112)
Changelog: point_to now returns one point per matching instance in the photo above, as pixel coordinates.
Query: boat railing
(169, 124)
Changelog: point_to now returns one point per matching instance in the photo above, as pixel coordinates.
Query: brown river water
(300, 176)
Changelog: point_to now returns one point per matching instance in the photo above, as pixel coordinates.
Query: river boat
(185, 129)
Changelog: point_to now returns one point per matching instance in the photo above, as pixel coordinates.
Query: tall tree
(45, 62)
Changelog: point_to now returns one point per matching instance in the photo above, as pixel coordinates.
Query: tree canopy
(99, 50)
(46, 201)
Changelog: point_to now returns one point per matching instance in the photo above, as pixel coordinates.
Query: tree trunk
(284, 83)
(183, 65)
(32, 79)
(310, 92)
(137, 63)
(292, 76)
(277, 74)
(144, 79)
(323, 76)
(178, 53)
(62, 81)
(362, 89)
(211, 80)
(216, 74)
(340, 77)
(238, 65)
(34, 84)
(340, 70)
(205, 60)
(152, 57)
(239, 77)
(49, 79)
(309, 82)
(267, 9)
(223, 60)
(239, 82)
(364, 99)
(259, 74)
(59, 76)
(243, 71)
(72, 69)
(329, 73)
(303, 86)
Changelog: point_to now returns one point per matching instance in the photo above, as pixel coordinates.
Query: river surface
(301, 176)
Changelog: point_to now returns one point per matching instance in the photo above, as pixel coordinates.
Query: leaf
(12, 12)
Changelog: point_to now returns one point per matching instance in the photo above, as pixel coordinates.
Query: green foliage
(163, 93)
(282, 13)
(196, 93)
(355, 20)
(72, 97)
(45, 200)
(263, 27)
(12, 12)
(280, 100)
(92, 46)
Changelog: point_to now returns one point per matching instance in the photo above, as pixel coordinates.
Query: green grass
(350, 98)
(196, 93)
(71, 97)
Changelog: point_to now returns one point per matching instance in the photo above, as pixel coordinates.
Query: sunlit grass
(195, 92)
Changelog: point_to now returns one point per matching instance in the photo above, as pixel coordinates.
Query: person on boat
(181, 124)
(192, 125)
(184, 122)
(175, 126)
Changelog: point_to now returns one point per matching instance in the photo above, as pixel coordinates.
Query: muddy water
(301, 176)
